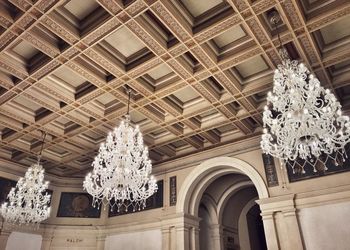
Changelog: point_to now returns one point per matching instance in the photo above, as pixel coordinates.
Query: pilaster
(47, 237)
(182, 237)
(294, 234)
(270, 231)
(100, 242)
(4, 235)
(194, 237)
(166, 238)
(285, 205)
(181, 232)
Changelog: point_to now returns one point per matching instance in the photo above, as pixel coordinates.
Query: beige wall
(289, 214)
(24, 241)
(146, 240)
(326, 227)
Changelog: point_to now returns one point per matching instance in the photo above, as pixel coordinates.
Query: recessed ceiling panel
(26, 103)
(137, 117)
(105, 99)
(186, 94)
(197, 8)
(160, 71)
(81, 8)
(69, 76)
(252, 66)
(336, 30)
(25, 50)
(125, 42)
(229, 36)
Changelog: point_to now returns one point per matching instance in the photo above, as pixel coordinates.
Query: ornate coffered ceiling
(200, 71)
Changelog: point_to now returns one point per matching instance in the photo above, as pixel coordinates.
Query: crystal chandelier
(302, 119)
(121, 170)
(28, 202)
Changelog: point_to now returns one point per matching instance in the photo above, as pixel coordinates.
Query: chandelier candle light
(28, 202)
(302, 119)
(121, 170)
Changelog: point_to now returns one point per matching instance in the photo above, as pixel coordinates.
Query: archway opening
(256, 229)
(200, 178)
(198, 197)
(229, 217)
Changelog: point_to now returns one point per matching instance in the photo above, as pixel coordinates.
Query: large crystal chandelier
(302, 119)
(28, 202)
(121, 170)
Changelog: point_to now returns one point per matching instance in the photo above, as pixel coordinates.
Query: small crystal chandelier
(121, 170)
(302, 119)
(28, 202)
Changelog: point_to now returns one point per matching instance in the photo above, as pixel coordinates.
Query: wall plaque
(173, 192)
(270, 170)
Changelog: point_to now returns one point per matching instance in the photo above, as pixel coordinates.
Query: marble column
(217, 236)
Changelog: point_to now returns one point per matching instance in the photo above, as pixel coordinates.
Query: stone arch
(210, 204)
(203, 175)
(232, 190)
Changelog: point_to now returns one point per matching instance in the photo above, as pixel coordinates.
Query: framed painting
(155, 201)
(5, 187)
(78, 205)
(335, 164)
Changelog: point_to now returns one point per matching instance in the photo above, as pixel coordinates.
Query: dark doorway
(256, 229)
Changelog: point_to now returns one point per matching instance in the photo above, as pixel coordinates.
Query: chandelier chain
(42, 146)
(129, 97)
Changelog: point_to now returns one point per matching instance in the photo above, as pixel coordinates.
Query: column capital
(289, 212)
(4, 232)
(101, 237)
(165, 230)
(267, 215)
(276, 204)
(182, 228)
